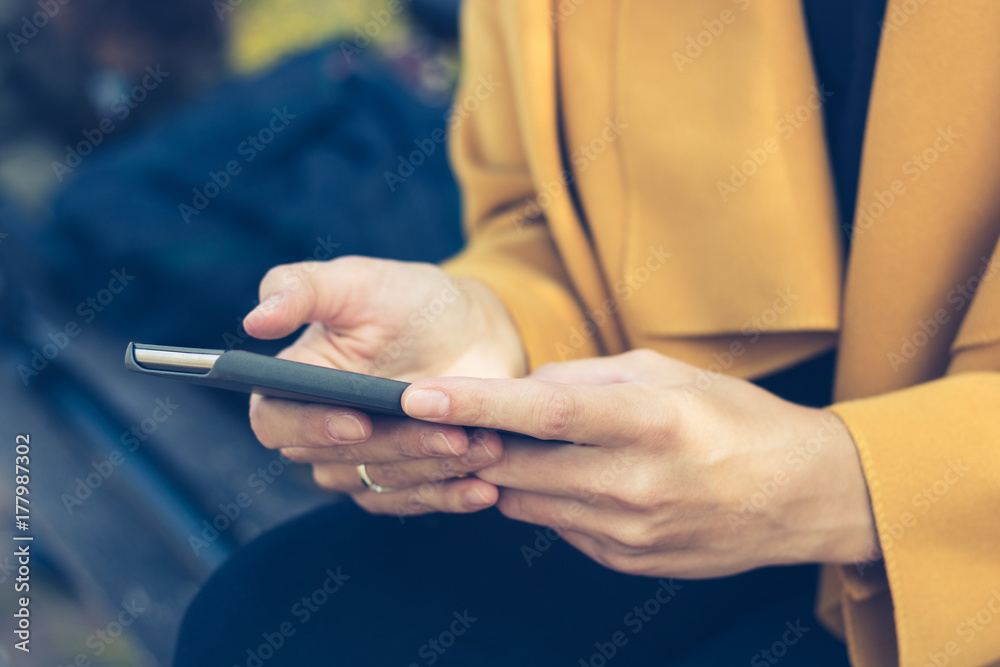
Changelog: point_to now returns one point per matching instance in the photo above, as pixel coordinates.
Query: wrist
(849, 519)
(493, 329)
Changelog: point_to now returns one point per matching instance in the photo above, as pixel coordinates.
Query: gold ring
(370, 484)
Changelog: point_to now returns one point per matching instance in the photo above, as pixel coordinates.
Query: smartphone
(247, 372)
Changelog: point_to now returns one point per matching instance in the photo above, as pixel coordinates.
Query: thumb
(295, 294)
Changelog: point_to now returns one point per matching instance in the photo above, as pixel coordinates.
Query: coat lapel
(928, 211)
(537, 71)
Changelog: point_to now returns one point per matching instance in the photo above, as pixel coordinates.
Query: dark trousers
(340, 587)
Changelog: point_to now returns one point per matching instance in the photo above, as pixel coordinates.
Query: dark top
(844, 35)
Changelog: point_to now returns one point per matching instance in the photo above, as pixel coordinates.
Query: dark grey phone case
(247, 372)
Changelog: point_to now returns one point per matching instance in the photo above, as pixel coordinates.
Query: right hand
(400, 320)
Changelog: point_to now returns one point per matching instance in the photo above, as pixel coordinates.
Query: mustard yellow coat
(693, 132)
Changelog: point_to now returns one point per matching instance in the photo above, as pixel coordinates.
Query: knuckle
(347, 455)
(547, 370)
(325, 477)
(642, 355)
(420, 499)
(555, 413)
(296, 274)
(448, 468)
(407, 445)
(634, 535)
(509, 504)
(272, 277)
(615, 560)
(297, 454)
(402, 511)
(352, 262)
(639, 493)
(388, 474)
(369, 502)
(648, 426)
(258, 425)
(643, 428)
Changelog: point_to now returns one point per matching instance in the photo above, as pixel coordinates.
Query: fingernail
(268, 304)
(475, 498)
(426, 403)
(437, 443)
(479, 453)
(345, 428)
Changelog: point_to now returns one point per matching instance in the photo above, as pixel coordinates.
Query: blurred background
(156, 158)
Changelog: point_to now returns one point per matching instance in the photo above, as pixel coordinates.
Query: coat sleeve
(509, 246)
(931, 458)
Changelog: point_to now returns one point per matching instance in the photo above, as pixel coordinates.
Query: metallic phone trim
(179, 361)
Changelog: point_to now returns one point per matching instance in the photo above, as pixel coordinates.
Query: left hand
(680, 479)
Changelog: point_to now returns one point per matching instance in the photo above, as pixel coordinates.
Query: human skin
(357, 309)
(656, 481)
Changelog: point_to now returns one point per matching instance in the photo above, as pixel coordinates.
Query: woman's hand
(679, 480)
(392, 319)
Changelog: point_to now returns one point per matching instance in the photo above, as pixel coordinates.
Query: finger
(402, 473)
(594, 371)
(569, 519)
(596, 550)
(568, 471)
(612, 530)
(395, 439)
(608, 415)
(695, 564)
(455, 496)
(295, 294)
(632, 366)
(279, 423)
(349, 436)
